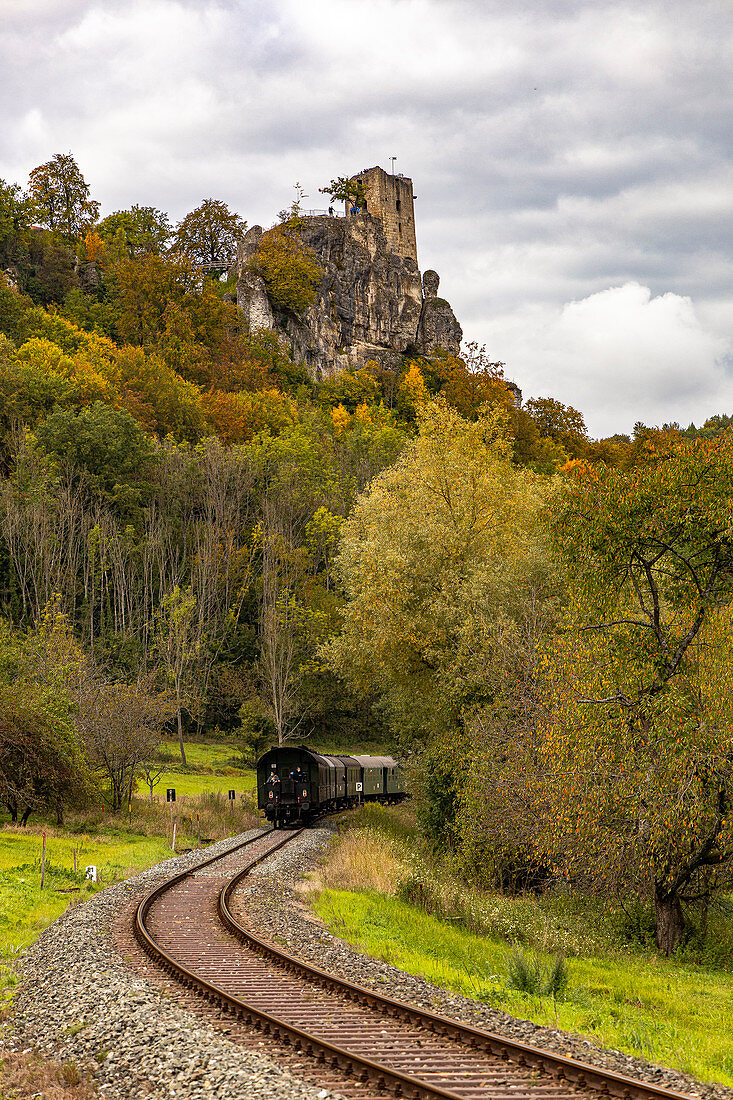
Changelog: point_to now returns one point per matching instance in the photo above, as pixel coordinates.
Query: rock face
(251, 294)
(371, 302)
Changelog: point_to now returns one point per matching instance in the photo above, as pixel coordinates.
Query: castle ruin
(371, 303)
(391, 199)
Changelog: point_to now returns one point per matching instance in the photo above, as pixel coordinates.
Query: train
(295, 784)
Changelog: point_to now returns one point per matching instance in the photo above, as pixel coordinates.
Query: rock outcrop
(371, 302)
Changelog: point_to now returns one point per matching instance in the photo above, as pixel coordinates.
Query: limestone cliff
(371, 302)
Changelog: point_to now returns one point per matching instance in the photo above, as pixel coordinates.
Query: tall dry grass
(364, 859)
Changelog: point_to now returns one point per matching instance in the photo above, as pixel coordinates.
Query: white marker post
(170, 797)
(43, 862)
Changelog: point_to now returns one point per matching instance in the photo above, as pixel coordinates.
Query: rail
(573, 1072)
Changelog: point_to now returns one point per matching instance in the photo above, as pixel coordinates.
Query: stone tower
(390, 199)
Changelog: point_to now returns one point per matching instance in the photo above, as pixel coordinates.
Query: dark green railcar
(294, 783)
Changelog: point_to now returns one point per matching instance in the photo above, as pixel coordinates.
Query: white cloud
(619, 356)
(558, 150)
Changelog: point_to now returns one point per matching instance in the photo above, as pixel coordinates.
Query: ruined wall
(390, 198)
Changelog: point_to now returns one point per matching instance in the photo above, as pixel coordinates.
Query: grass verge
(629, 999)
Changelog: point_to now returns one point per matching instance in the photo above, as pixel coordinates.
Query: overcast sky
(571, 159)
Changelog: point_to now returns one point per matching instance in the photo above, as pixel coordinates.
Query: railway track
(377, 1045)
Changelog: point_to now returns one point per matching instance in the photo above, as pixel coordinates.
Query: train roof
(330, 759)
(376, 761)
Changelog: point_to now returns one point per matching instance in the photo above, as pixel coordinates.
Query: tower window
(397, 204)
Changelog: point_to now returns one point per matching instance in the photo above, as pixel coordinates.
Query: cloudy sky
(571, 159)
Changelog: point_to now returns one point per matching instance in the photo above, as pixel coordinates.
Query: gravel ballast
(81, 1001)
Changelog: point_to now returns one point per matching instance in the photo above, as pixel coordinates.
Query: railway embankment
(83, 1002)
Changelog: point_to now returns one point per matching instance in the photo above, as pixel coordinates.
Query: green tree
(210, 234)
(61, 195)
(17, 213)
(343, 189)
(289, 269)
(42, 761)
(142, 229)
(636, 754)
(105, 449)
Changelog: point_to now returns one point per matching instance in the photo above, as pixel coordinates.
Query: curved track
(381, 1045)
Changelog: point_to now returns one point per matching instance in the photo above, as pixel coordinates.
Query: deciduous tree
(437, 550)
(210, 234)
(61, 195)
(289, 269)
(143, 229)
(637, 746)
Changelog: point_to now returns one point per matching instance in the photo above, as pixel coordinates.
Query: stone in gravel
(79, 1001)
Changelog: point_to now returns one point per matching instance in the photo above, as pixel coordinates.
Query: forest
(197, 538)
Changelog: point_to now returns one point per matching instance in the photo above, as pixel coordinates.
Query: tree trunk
(59, 810)
(180, 736)
(670, 920)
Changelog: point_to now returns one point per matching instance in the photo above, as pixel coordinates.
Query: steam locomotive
(294, 785)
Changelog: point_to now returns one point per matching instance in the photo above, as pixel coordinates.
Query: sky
(572, 160)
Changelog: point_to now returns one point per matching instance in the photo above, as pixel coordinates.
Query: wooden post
(74, 860)
(173, 845)
(198, 831)
(43, 862)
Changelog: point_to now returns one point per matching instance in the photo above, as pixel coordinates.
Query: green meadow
(562, 962)
(209, 769)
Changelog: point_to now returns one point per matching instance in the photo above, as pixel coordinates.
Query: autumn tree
(561, 423)
(122, 725)
(61, 195)
(210, 234)
(636, 757)
(164, 305)
(432, 557)
(289, 269)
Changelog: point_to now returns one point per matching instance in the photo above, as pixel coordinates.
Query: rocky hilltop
(371, 302)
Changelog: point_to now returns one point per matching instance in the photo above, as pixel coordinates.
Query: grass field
(209, 769)
(626, 998)
(26, 909)
(117, 846)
